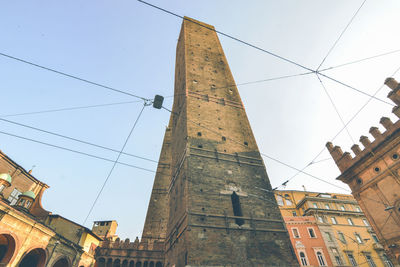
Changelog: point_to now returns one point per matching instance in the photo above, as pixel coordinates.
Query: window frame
(320, 257)
(333, 220)
(14, 198)
(305, 258)
(298, 232)
(313, 231)
(350, 221)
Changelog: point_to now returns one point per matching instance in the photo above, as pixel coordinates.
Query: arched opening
(35, 258)
(109, 262)
(131, 264)
(139, 264)
(7, 248)
(146, 264)
(158, 264)
(125, 263)
(151, 264)
(63, 262)
(117, 263)
(101, 262)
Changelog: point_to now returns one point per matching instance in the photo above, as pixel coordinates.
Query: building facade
(348, 239)
(30, 236)
(373, 176)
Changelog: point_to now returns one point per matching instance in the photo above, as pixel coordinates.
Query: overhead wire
(228, 36)
(340, 36)
(263, 154)
(335, 107)
(68, 109)
(360, 60)
(251, 82)
(72, 150)
(114, 164)
(261, 49)
(344, 127)
(74, 139)
(70, 76)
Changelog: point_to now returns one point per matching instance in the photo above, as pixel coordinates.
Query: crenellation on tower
(373, 178)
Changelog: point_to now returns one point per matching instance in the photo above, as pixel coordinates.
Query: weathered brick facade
(207, 206)
(373, 176)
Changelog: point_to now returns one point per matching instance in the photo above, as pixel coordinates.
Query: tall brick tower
(220, 213)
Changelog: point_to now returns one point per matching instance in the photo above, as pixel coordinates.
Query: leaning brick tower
(219, 210)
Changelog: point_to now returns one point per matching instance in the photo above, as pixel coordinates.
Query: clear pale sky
(130, 46)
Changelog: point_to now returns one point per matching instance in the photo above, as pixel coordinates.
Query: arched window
(321, 260)
(35, 258)
(303, 259)
(7, 248)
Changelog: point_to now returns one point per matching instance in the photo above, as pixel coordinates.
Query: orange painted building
(307, 241)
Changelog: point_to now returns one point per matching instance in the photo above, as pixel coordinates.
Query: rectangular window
(341, 237)
(315, 205)
(294, 213)
(352, 260)
(237, 209)
(358, 238)
(388, 263)
(287, 199)
(311, 232)
(350, 221)
(333, 219)
(342, 207)
(14, 196)
(338, 260)
(358, 209)
(375, 238)
(370, 261)
(320, 219)
(327, 206)
(295, 233)
(279, 199)
(365, 222)
(328, 236)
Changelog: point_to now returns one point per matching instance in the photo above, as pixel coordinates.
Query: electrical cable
(360, 60)
(227, 35)
(75, 139)
(335, 107)
(247, 83)
(355, 89)
(341, 130)
(340, 36)
(67, 109)
(71, 76)
(261, 49)
(115, 163)
(263, 154)
(74, 151)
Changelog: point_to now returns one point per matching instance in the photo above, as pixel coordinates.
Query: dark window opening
(200, 146)
(237, 209)
(246, 144)
(223, 138)
(199, 134)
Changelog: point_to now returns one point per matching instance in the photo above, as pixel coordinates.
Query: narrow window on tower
(237, 209)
